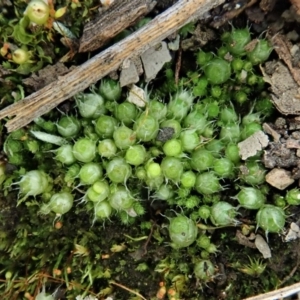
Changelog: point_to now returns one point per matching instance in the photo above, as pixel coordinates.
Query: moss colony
(171, 167)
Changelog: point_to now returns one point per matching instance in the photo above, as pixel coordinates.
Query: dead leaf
(154, 59)
(137, 96)
(283, 48)
(285, 90)
(262, 246)
(250, 146)
(129, 73)
(279, 178)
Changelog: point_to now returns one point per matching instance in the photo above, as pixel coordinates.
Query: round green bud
(222, 214)
(271, 218)
(135, 155)
(202, 159)
(183, 231)
(191, 202)
(240, 97)
(217, 71)
(237, 64)
(107, 148)
(260, 53)
(204, 270)
(188, 179)
(203, 241)
(20, 56)
(203, 58)
(204, 212)
(38, 12)
(237, 41)
(68, 126)
(207, 183)
(251, 198)
(172, 147)
(293, 197)
(153, 170)
(110, 89)
(172, 168)
(224, 167)
(126, 112)
(102, 210)
(84, 150)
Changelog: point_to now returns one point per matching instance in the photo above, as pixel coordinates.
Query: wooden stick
(278, 294)
(120, 15)
(90, 72)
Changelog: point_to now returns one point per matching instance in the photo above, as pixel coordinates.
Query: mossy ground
(39, 250)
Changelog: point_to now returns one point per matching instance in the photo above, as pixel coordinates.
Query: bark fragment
(279, 178)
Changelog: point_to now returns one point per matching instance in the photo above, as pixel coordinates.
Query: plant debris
(285, 91)
(47, 75)
(253, 144)
(262, 246)
(200, 37)
(154, 59)
(282, 154)
(293, 233)
(113, 20)
(279, 178)
(129, 73)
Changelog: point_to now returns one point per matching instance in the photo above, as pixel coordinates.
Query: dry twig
(127, 289)
(120, 15)
(278, 294)
(178, 64)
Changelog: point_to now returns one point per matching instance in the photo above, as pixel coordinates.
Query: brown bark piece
(285, 90)
(294, 123)
(105, 62)
(243, 240)
(120, 15)
(269, 130)
(296, 4)
(267, 5)
(4, 72)
(255, 14)
(279, 178)
(200, 37)
(229, 15)
(283, 48)
(46, 75)
(292, 144)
